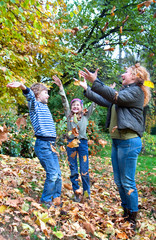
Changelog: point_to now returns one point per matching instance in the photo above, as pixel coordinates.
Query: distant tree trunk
(120, 52)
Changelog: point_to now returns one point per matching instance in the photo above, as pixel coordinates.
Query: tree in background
(29, 42)
(102, 29)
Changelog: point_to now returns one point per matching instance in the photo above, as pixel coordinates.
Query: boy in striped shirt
(45, 132)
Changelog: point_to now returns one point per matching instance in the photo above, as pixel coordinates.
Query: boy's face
(76, 107)
(43, 97)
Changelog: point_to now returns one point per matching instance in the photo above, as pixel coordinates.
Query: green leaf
(58, 234)
(2, 3)
(71, 14)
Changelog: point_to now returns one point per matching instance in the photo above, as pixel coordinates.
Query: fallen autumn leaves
(22, 217)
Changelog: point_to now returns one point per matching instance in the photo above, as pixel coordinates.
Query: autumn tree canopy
(42, 38)
(29, 37)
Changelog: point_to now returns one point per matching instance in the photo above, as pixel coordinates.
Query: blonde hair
(37, 88)
(141, 75)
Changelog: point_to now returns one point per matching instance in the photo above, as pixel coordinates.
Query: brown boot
(132, 219)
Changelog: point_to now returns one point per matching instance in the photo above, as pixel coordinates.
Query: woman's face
(128, 77)
(76, 107)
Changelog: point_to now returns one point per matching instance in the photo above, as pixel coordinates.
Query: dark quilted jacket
(129, 104)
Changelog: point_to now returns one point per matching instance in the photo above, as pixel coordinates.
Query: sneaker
(77, 197)
(47, 204)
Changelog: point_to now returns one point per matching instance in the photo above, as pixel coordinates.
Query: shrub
(149, 144)
(20, 138)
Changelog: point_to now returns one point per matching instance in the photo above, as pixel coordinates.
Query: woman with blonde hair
(126, 125)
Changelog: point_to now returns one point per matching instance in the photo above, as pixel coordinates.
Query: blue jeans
(49, 161)
(82, 150)
(124, 161)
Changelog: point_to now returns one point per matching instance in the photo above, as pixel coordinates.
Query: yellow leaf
(27, 227)
(3, 208)
(149, 84)
(77, 83)
(75, 119)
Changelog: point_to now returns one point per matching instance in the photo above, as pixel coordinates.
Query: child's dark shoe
(46, 204)
(77, 197)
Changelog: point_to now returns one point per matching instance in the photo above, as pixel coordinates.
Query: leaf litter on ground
(23, 217)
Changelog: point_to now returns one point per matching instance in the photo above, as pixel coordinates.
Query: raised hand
(16, 85)
(82, 83)
(91, 77)
(57, 81)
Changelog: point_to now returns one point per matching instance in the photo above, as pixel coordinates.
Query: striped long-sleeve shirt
(40, 116)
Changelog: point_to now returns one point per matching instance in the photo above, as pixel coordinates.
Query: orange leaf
(123, 22)
(84, 174)
(85, 27)
(74, 143)
(105, 27)
(146, 3)
(62, 149)
(74, 53)
(130, 191)
(109, 49)
(21, 122)
(85, 158)
(102, 142)
(73, 154)
(121, 29)
(112, 11)
(114, 128)
(53, 149)
(124, 43)
(57, 201)
(89, 227)
(122, 235)
(85, 110)
(67, 186)
(142, 28)
(3, 133)
(75, 132)
(90, 142)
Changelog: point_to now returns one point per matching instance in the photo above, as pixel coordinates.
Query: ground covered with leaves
(22, 217)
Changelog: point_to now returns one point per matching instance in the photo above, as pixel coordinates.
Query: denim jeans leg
(58, 183)
(72, 159)
(84, 164)
(49, 162)
(116, 171)
(128, 151)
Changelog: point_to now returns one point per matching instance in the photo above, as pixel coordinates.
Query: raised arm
(17, 85)
(91, 77)
(62, 93)
(58, 82)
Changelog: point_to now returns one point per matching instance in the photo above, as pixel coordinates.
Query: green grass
(146, 165)
(146, 168)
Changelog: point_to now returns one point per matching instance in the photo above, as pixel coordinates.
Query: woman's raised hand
(82, 83)
(91, 77)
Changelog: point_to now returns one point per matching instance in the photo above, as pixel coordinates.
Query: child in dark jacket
(77, 122)
(45, 133)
